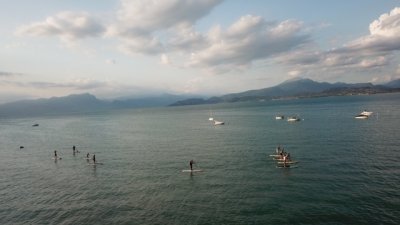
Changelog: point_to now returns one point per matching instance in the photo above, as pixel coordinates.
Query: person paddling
(88, 155)
(94, 158)
(284, 161)
(191, 162)
(55, 154)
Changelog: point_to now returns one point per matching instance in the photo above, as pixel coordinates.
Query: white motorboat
(293, 119)
(279, 117)
(366, 113)
(216, 122)
(361, 116)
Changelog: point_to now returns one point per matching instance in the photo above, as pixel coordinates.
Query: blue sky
(139, 47)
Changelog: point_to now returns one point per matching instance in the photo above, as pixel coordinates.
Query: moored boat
(366, 113)
(360, 116)
(293, 119)
(216, 122)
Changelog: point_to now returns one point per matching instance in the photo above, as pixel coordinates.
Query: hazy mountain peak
(298, 80)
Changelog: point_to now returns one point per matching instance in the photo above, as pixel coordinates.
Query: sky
(135, 48)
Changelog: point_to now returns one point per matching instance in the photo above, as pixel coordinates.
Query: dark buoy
(21, 147)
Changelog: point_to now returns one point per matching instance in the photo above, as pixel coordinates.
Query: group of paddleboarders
(93, 157)
(75, 151)
(283, 156)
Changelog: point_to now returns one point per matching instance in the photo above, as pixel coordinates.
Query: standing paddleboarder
(191, 162)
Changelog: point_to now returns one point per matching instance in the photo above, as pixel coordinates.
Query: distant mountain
(151, 101)
(295, 88)
(55, 105)
(81, 103)
(393, 84)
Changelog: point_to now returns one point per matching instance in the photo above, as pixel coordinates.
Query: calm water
(349, 171)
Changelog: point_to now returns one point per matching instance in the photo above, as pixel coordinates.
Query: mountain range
(295, 88)
(81, 103)
(298, 88)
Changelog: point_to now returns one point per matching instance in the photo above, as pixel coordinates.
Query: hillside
(81, 103)
(299, 88)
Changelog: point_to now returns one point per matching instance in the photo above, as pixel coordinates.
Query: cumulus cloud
(142, 45)
(161, 27)
(138, 22)
(373, 51)
(186, 38)
(142, 17)
(165, 27)
(68, 26)
(249, 39)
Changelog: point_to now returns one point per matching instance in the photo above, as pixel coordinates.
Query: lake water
(348, 170)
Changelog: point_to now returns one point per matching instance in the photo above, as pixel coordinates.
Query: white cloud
(142, 17)
(141, 44)
(376, 50)
(110, 61)
(140, 22)
(374, 62)
(68, 26)
(387, 25)
(384, 35)
(9, 74)
(165, 60)
(185, 38)
(250, 39)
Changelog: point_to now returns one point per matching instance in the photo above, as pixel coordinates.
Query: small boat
(366, 113)
(279, 117)
(293, 119)
(216, 122)
(35, 125)
(360, 116)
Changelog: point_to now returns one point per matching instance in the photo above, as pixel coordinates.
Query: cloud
(110, 61)
(373, 51)
(142, 45)
(9, 74)
(186, 39)
(249, 39)
(165, 60)
(150, 27)
(68, 26)
(76, 84)
(143, 17)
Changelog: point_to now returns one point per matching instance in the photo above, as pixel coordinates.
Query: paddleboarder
(94, 158)
(191, 162)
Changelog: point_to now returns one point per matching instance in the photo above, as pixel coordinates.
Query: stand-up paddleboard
(58, 158)
(275, 155)
(191, 171)
(287, 166)
(94, 164)
(288, 162)
(87, 158)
